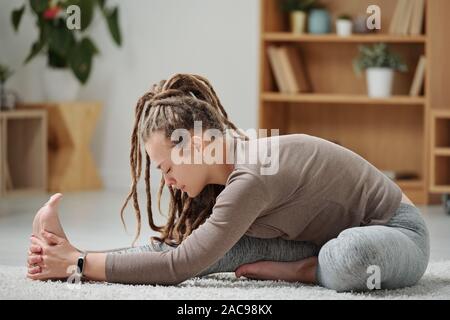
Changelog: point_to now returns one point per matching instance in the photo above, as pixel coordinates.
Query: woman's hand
(50, 259)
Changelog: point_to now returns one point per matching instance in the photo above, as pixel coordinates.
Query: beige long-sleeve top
(320, 189)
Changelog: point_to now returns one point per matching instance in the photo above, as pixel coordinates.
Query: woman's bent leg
(397, 252)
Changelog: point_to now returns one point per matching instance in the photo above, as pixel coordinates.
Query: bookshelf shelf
(442, 152)
(396, 134)
(410, 184)
(341, 98)
(332, 38)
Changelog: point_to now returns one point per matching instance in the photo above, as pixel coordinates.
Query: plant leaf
(61, 40)
(16, 17)
(112, 18)
(90, 46)
(35, 49)
(101, 3)
(81, 59)
(39, 6)
(87, 9)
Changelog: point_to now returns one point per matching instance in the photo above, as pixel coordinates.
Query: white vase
(298, 21)
(344, 27)
(60, 84)
(379, 82)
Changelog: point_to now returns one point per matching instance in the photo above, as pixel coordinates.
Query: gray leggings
(388, 256)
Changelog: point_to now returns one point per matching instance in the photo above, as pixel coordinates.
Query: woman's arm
(95, 267)
(236, 208)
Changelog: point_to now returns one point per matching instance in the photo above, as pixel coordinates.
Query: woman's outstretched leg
(247, 250)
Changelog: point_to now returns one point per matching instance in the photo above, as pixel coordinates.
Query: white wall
(214, 38)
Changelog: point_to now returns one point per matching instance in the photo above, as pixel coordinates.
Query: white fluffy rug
(14, 285)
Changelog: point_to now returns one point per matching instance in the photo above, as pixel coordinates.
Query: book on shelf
(419, 77)
(275, 64)
(297, 69)
(288, 69)
(418, 17)
(408, 17)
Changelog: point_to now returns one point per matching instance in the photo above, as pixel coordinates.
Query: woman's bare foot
(298, 271)
(47, 218)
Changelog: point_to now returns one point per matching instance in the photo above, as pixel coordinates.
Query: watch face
(80, 264)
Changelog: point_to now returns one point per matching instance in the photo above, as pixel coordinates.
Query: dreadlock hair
(175, 104)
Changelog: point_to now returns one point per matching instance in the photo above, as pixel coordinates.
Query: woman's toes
(247, 269)
(54, 200)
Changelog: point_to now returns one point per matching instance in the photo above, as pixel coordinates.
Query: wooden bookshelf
(341, 99)
(394, 133)
(330, 38)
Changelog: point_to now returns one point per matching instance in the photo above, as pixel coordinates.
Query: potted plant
(5, 73)
(297, 10)
(344, 25)
(69, 52)
(380, 65)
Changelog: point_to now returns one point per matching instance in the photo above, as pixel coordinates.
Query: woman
(326, 216)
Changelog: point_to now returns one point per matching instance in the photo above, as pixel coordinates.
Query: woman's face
(188, 177)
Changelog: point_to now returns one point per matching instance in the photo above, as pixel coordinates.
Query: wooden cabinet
(393, 133)
(23, 152)
(70, 126)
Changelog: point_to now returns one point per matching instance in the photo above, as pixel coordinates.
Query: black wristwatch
(81, 263)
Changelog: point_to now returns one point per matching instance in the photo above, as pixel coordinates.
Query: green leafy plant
(377, 56)
(344, 16)
(5, 73)
(67, 48)
(296, 5)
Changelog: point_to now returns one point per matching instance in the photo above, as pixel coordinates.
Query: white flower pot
(60, 84)
(379, 82)
(298, 21)
(344, 27)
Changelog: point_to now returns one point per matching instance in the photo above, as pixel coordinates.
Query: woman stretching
(326, 216)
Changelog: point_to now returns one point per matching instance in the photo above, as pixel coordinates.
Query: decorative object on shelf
(360, 24)
(344, 25)
(298, 13)
(319, 20)
(380, 65)
(66, 49)
(8, 98)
